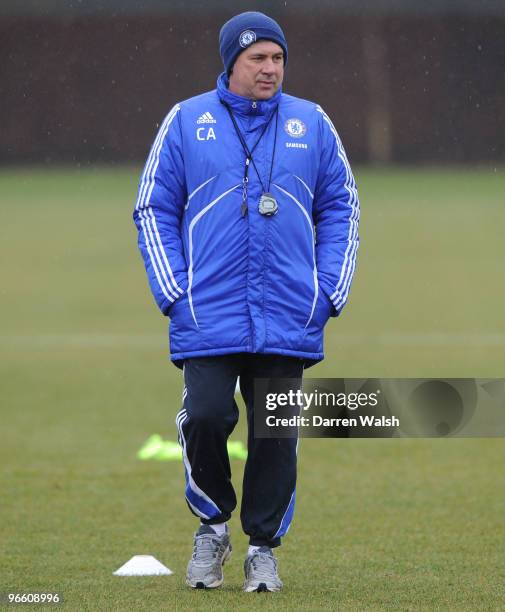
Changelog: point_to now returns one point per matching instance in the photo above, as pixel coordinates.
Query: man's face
(258, 71)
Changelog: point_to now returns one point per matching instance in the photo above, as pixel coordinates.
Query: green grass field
(84, 378)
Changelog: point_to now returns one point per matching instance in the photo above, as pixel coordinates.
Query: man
(238, 182)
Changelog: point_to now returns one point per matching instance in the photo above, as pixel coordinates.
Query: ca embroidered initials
(205, 134)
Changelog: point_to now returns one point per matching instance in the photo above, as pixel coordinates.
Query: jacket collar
(246, 106)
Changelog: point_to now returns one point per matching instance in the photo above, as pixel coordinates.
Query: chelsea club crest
(247, 38)
(295, 128)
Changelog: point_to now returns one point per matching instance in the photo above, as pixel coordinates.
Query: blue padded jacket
(233, 281)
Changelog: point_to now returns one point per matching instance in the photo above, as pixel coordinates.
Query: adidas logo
(206, 118)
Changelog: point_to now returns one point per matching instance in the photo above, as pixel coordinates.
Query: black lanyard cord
(249, 153)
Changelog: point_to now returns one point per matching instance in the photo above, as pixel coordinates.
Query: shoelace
(264, 565)
(206, 548)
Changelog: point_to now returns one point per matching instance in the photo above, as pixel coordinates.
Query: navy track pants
(208, 416)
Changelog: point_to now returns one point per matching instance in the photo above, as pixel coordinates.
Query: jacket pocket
(172, 309)
(322, 310)
(179, 301)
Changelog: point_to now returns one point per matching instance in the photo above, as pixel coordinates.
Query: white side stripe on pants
(182, 416)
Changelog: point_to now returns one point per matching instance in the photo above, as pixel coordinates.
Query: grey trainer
(260, 570)
(210, 551)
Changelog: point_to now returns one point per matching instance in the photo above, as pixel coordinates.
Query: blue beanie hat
(245, 29)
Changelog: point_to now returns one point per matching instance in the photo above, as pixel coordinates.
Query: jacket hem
(211, 351)
(310, 358)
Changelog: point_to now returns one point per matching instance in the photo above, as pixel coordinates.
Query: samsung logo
(296, 145)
